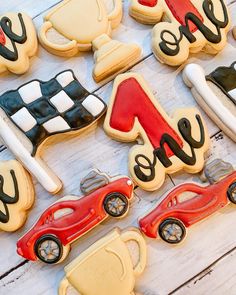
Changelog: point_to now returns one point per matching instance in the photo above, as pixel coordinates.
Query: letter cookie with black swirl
(18, 42)
(165, 145)
(183, 26)
(16, 195)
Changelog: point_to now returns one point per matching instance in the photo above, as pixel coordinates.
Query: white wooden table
(206, 262)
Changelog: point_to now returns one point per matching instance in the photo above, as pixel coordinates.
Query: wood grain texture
(170, 269)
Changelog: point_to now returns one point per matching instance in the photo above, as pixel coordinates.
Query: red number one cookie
(188, 26)
(165, 145)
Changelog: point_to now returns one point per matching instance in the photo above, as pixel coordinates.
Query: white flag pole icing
(38, 110)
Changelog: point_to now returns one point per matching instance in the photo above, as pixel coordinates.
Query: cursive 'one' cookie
(165, 145)
(215, 93)
(78, 25)
(18, 42)
(183, 26)
(38, 110)
(16, 195)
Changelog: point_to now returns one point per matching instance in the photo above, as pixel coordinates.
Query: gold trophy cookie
(106, 267)
(78, 25)
(16, 195)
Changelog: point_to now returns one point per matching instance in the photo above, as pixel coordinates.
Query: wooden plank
(218, 279)
(78, 155)
(32, 8)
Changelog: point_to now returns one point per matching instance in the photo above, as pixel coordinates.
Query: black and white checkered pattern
(41, 109)
(225, 79)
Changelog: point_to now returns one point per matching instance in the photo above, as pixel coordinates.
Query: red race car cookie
(183, 26)
(165, 145)
(71, 217)
(176, 212)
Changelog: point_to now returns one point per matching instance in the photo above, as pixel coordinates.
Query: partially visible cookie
(16, 195)
(215, 93)
(234, 32)
(18, 42)
(183, 27)
(107, 267)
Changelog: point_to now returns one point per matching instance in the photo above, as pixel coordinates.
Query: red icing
(132, 102)
(150, 3)
(2, 38)
(206, 201)
(179, 9)
(87, 212)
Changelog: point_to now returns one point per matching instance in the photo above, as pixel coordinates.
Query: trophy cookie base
(113, 57)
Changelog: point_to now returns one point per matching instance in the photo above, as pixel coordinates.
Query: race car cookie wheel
(116, 204)
(172, 231)
(49, 249)
(232, 193)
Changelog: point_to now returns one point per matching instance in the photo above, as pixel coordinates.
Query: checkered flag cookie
(225, 79)
(37, 110)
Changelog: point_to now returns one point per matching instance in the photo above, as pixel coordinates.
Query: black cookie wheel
(116, 204)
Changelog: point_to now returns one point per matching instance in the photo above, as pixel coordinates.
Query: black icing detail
(43, 110)
(6, 25)
(172, 48)
(184, 127)
(6, 199)
(225, 79)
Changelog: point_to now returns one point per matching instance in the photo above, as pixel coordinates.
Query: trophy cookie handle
(116, 14)
(137, 237)
(69, 48)
(64, 285)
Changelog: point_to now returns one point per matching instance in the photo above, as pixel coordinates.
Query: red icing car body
(170, 218)
(80, 216)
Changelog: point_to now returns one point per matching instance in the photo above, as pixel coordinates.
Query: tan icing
(17, 211)
(106, 267)
(80, 20)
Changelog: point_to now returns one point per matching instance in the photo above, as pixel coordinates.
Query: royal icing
(164, 145)
(191, 27)
(220, 105)
(85, 25)
(80, 215)
(41, 109)
(15, 44)
(106, 267)
(16, 195)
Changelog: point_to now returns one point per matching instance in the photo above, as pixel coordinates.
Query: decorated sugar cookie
(78, 25)
(178, 211)
(16, 195)
(18, 42)
(106, 267)
(165, 145)
(38, 110)
(71, 217)
(183, 26)
(234, 32)
(215, 93)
